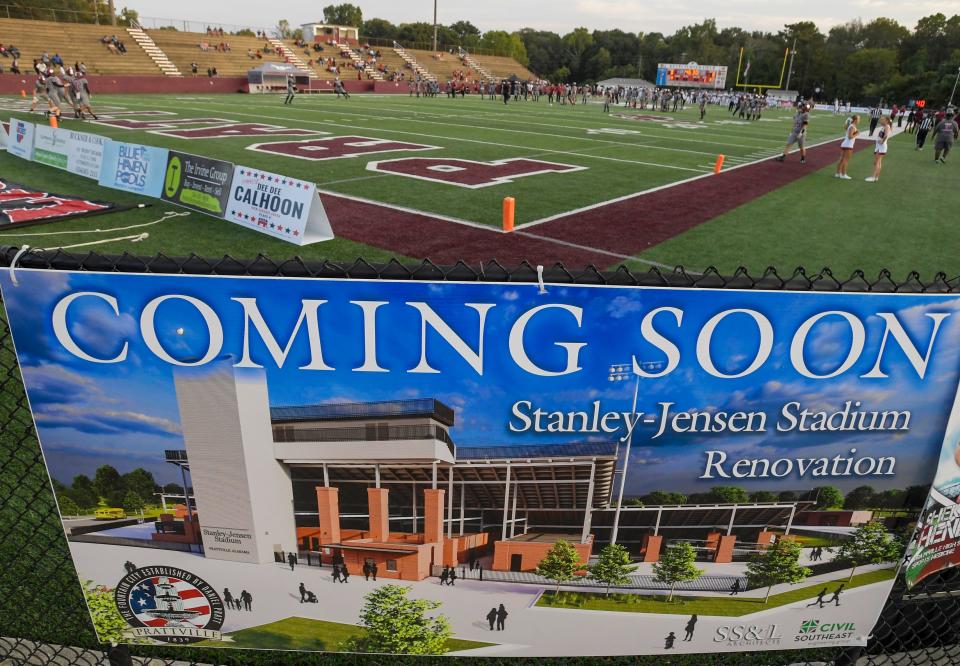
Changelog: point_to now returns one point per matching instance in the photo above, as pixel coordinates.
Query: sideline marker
(509, 208)
(718, 164)
(53, 121)
(23, 93)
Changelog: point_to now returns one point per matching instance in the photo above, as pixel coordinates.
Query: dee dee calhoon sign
(494, 428)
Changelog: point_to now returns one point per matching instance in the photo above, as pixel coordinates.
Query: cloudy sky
(126, 414)
(630, 15)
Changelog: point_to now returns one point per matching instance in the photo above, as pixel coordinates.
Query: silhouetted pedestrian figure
(344, 574)
(836, 594)
(247, 599)
(480, 570)
(366, 571)
(291, 560)
(129, 566)
(303, 593)
(735, 588)
(443, 576)
(473, 564)
(373, 570)
(501, 618)
(492, 617)
(228, 598)
(691, 627)
(669, 640)
(819, 600)
(452, 578)
(335, 573)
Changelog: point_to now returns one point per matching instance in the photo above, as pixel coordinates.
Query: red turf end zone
(602, 236)
(336, 147)
(468, 173)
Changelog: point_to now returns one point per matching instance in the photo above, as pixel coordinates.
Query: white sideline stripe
(351, 180)
(576, 211)
(413, 211)
(622, 257)
(451, 138)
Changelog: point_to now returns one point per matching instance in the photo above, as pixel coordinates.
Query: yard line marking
(461, 139)
(356, 117)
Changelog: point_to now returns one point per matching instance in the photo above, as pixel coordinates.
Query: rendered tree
(780, 563)
(132, 502)
(828, 497)
(393, 623)
(613, 566)
(676, 566)
(560, 564)
(67, 506)
(107, 621)
(870, 544)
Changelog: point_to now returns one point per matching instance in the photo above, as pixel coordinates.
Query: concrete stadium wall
(12, 84)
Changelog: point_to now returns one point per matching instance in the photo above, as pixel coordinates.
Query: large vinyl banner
(483, 468)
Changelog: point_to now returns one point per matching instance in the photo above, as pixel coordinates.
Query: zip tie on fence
(543, 289)
(133, 239)
(166, 216)
(13, 264)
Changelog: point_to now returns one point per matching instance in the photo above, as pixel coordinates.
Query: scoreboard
(692, 75)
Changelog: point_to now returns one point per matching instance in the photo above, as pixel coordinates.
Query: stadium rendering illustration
(385, 483)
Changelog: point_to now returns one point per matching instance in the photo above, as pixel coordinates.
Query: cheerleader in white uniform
(886, 128)
(846, 147)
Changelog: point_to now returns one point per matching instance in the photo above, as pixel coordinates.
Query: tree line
(108, 487)
(862, 62)
(823, 497)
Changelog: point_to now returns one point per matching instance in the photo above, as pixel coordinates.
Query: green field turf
(904, 223)
(300, 633)
(683, 605)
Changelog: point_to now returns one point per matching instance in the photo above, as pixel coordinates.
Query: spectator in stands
(194, 67)
(204, 46)
(214, 71)
(15, 66)
(251, 54)
(209, 72)
(3, 51)
(57, 60)
(45, 58)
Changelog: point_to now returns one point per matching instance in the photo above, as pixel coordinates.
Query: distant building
(323, 33)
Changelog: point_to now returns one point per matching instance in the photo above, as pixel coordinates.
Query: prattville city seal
(170, 605)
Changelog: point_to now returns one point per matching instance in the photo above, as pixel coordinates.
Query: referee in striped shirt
(923, 129)
(875, 114)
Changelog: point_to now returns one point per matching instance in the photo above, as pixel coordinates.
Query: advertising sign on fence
(936, 543)
(284, 207)
(20, 141)
(196, 182)
(134, 168)
(495, 465)
(77, 152)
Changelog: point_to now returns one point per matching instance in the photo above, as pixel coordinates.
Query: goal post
(760, 86)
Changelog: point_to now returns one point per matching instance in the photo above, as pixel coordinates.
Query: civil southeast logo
(817, 631)
(170, 605)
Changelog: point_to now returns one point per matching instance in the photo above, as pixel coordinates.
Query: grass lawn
(300, 633)
(725, 606)
(812, 541)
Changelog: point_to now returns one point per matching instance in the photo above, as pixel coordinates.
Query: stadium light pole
(621, 372)
(954, 91)
(434, 26)
(793, 52)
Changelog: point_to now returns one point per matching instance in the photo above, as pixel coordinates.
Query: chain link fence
(43, 618)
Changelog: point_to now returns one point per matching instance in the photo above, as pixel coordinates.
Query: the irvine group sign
(715, 458)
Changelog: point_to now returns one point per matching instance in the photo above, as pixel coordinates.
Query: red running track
(601, 236)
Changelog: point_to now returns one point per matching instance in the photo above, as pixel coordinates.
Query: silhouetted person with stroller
(492, 617)
(669, 641)
(836, 594)
(819, 599)
(303, 592)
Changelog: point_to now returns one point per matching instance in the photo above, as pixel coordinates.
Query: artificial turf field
(756, 213)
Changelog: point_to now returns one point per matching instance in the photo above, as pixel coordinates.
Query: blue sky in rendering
(125, 414)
